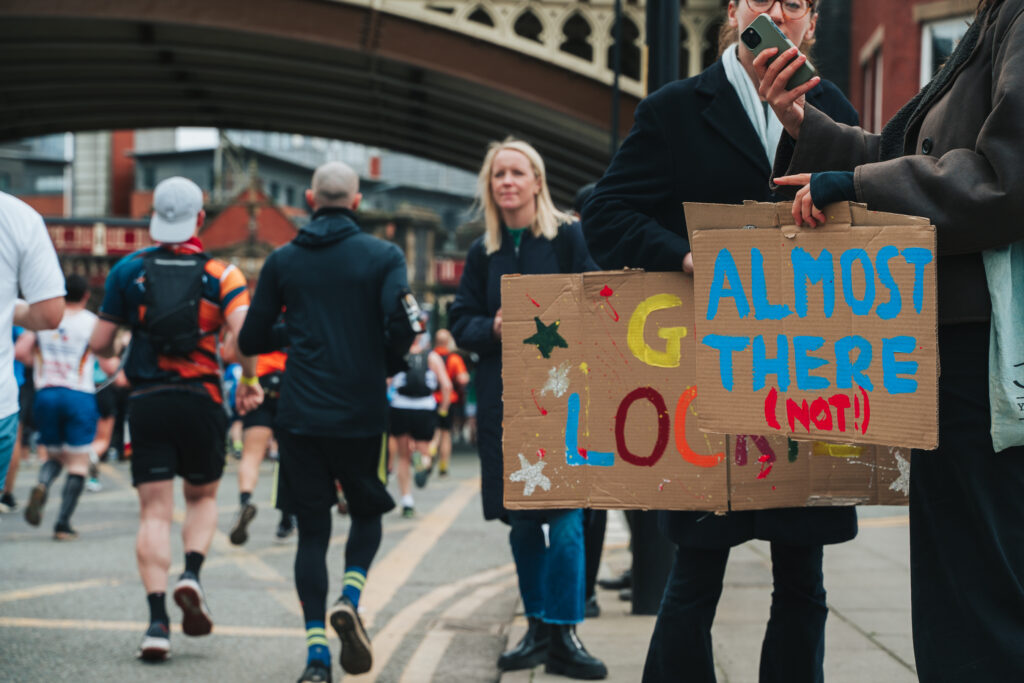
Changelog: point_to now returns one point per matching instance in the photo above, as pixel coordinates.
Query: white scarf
(766, 124)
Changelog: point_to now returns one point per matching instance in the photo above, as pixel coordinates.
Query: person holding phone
(955, 154)
(711, 138)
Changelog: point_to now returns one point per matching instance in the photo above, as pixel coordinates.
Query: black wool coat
(471, 319)
(692, 142)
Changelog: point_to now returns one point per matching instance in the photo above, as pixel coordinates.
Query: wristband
(249, 381)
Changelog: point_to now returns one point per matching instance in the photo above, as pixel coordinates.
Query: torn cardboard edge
(820, 475)
(716, 227)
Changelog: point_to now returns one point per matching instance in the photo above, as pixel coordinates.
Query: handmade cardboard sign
(822, 333)
(601, 409)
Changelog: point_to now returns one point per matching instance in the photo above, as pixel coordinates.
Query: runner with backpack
(414, 414)
(175, 298)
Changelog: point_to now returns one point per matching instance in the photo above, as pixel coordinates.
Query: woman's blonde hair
(547, 218)
(727, 35)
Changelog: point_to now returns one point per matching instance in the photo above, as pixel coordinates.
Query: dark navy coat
(692, 142)
(471, 320)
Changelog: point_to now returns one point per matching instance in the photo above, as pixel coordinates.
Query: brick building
(896, 47)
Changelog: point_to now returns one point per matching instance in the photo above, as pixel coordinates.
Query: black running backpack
(174, 288)
(416, 376)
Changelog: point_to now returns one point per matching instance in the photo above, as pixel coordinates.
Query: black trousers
(967, 530)
(794, 643)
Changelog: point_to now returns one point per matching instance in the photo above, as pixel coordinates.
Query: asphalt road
(438, 604)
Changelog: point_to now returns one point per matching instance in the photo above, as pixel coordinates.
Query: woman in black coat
(524, 234)
(710, 139)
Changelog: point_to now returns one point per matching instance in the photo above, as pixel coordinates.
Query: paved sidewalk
(868, 629)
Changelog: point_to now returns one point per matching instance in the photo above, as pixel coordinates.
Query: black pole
(617, 69)
(653, 554)
(662, 43)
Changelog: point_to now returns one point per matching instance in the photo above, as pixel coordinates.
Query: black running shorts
(310, 465)
(263, 416)
(106, 401)
(176, 432)
(419, 424)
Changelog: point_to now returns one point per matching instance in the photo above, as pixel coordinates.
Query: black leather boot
(567, 656)
(531, 650)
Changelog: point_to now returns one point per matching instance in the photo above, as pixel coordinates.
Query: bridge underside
(303, 66)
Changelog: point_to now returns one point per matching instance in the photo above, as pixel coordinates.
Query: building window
(275, 191)
(50, 184)
(5, 181)
(938, 40)
(871, 73)
(149, 178)
(289, 196)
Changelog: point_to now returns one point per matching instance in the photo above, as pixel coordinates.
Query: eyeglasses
(791, 9)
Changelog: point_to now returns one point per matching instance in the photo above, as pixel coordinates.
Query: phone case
(772, 36)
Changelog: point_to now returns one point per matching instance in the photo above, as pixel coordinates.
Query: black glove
(832, 186)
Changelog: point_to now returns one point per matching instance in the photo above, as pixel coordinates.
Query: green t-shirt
(517, 236)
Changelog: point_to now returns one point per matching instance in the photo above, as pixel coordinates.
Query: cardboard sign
(822, 333)
(601, 410)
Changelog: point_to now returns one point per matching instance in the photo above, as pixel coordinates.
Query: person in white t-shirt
(65, 407)
(28, 263)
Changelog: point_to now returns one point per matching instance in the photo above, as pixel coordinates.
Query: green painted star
(547, 338)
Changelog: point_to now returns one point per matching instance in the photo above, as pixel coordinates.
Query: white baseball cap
(177, 202)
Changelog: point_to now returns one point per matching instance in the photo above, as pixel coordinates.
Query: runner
(65, 406)
(414, 413)
(29, 265)
(257, 438)
(175, 298)
(455, 368)
(342, 290)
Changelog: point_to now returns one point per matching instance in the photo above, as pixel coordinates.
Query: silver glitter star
(902, 483)
(558, 380)
(531, 476)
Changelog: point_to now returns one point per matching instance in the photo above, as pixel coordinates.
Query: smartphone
(762, 34)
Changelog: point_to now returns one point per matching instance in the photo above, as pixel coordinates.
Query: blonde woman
(525, 234)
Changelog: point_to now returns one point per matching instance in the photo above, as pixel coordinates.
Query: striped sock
(355, 579)
(316, 641)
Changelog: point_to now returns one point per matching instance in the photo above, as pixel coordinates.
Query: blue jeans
(793, 650)
(551, 579)
(8, 433)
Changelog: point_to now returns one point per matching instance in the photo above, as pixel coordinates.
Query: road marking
(425, 660)
(392, 571)
(879, 522)
(140, 626)
(54, 589)
(108, 470)
(388, 639)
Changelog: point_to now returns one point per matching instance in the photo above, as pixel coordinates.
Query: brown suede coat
(963, 166)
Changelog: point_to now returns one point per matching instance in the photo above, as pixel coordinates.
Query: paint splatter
(532, 300)
(558, 380)
(766, 466)
(607, 292)
(543, 411)
(541, 453)
(902, 483)
(584, 368)
(531, 476)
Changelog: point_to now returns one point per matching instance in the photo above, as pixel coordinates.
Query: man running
(175, 298)
(257, 435)
(414, 414)
(28, 263)
(342, 289)
(455, 368)
(65, 405)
